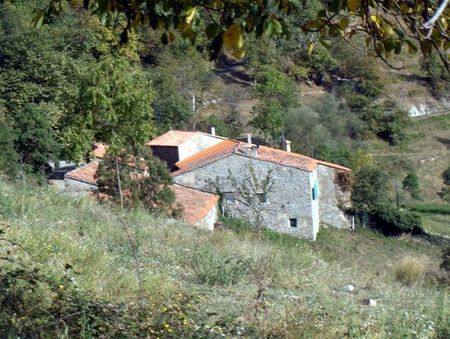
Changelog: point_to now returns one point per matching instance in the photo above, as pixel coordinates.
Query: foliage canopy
(389, 26)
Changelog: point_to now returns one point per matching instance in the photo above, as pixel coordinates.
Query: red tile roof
(171, 138)
(289, 159)
(176, 138)
(86, 173)
(196, 204)
(228, 147)
(330, 164)
(208, 155)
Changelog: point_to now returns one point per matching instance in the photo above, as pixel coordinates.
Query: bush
(145, 183)
(392, 221)
(445, 194)
(411, 184)
(446, 176)
(411, 270)
(219, 268)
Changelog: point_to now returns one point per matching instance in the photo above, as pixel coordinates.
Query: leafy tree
(9, 159)
(145, 180)
(228, 125)
(370, 189)
(411, 184)
(370, 197)
(277, 94)
(114, 107)
(388, 26)
(36, 141)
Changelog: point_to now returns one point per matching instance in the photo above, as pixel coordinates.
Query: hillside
(97, 272)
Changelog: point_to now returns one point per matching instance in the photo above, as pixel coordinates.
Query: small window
(262, 197)
(229, 197)
(315, 191)
(293, 223)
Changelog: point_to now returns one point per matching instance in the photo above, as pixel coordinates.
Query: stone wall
(209, 220)
(332, 199)
(80, 187)
(286, 202)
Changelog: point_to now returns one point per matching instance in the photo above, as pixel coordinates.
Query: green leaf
(277, 26)
(38, 19)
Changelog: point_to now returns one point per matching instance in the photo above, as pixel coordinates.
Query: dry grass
(300, 281)
(411, 270)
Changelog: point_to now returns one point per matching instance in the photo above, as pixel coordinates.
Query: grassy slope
(302, 280)
(427, 152)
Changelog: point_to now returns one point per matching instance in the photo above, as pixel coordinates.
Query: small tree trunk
(119, 184)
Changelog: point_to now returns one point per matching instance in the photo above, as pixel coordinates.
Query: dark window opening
(293, 223)
(229, 197)
(262, 197)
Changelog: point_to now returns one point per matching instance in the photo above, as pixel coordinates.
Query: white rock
(370, 302)
(348, 288)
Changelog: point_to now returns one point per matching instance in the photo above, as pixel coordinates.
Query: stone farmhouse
(268, 187)
(271, 188)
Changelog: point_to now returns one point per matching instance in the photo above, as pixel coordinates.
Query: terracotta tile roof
(99, 150)
(229, 147)
(176, 138)
(210, 154)
(196, 204)
(86, 173)
(171, 138)
(289, 159)
(330, 164)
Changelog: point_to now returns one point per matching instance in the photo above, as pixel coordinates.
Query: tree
(277, 94)
(36, 141)
(145, 180)
(9, 159)
(370, 189)
(114, 107)
(389, 26)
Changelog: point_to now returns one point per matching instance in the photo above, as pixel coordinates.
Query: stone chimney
(287, 145)
(249, 138)
(212, 130)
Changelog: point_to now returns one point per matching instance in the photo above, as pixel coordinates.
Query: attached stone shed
(335, 191)
(82, 179)
(200, 209)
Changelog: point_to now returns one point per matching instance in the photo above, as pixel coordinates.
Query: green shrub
(219, 268)
(392, 221)
(445, 194)
(446, 176)
(411, 184)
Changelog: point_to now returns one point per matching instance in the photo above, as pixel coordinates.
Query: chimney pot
(287, 146)
(212, 130)
(249, 138)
